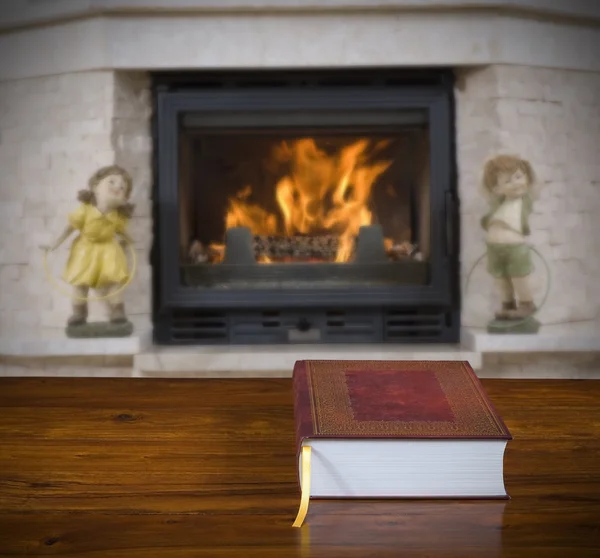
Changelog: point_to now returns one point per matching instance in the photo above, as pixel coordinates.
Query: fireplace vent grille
(189, 326)
(309, 326)
(418, 325)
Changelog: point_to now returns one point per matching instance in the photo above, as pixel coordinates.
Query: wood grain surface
(200, 468)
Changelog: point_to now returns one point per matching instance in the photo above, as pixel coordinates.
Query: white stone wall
(565, 366)
(105, 34)
(551, 118)
(82, 366)
(580, 365)
(132, 142)
(476, 138)
(54, 133)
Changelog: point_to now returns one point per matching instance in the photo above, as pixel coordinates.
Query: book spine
(302, 405)
(505, 432)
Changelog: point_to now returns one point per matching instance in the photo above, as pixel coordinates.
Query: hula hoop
(64, 292)
(513, 323)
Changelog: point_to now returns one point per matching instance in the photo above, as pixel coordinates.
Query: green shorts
(509, 260)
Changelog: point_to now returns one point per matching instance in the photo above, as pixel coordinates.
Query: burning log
(199, 253)
(273, 248)
(402, 251)
(300, 248)
(296, 247)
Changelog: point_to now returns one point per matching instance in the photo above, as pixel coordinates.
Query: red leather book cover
(386, 399)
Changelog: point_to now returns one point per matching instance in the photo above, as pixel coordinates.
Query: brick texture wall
(552, 118)
(132, 142)
(54, 133)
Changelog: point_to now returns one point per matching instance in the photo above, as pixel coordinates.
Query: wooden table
(195, 468)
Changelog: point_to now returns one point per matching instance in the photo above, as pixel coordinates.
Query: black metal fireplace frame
(176, 94)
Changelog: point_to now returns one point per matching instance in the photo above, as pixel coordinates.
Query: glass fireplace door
(267, 203)
(305, 202)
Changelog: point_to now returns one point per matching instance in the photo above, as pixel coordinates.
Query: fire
(244, 214)
(321, 194)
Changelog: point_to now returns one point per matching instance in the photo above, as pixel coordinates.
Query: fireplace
(305, 207)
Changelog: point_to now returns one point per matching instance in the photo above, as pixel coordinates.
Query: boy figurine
(509, 181)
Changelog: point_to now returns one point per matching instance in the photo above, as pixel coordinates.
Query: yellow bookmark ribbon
(305, 487)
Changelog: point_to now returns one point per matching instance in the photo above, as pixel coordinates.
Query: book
(404, 429)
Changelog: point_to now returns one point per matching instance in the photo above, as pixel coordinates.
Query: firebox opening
(305, 207)
(356, 196)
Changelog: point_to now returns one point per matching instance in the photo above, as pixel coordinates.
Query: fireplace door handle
(303, 324)
(449, 223)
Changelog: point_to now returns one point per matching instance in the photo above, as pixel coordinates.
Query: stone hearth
(75, 95)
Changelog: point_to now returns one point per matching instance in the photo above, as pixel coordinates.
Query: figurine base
(99, 329)
(524, 326)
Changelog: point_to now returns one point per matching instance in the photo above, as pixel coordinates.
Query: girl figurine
(509, 181)
(96, 260)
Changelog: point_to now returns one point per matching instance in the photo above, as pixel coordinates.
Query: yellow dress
(96, 259)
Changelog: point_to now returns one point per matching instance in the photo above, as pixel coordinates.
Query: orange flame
(244, 214)
(321, 193)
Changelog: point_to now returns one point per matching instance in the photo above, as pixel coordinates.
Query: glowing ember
(321, 195)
